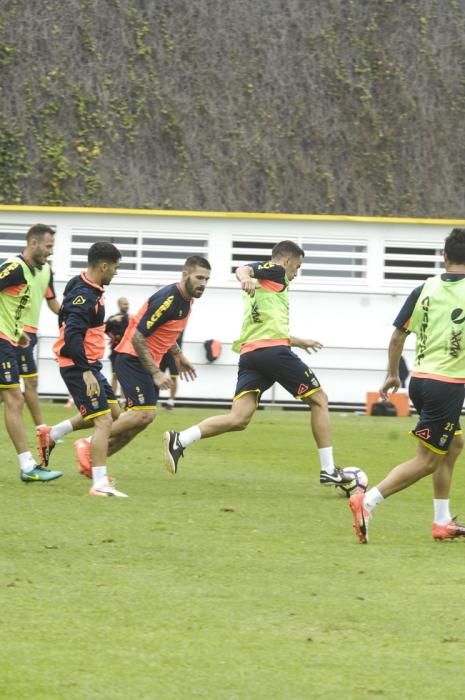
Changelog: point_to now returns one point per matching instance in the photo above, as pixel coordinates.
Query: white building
(356, 274)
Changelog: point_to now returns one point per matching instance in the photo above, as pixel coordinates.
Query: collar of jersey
(91, 284)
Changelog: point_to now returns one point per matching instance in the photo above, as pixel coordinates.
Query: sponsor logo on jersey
(422, 337)
(456, 316)
(9, 268)
(160, 311)
(255, 312)
(79, 300)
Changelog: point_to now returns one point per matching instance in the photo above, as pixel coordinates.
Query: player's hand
(307, 344)
(162, 380)
(391, 383)
(24, 340)
(92, 385)
(248, 286)
(185, 368)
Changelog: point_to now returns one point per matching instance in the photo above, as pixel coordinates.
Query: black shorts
(438, 405)
(137, 384)
(167, 362)
(260, 369)
(26, 357)
(9, 370)
(89, 408)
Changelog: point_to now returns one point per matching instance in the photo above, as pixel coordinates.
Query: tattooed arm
(162, 380)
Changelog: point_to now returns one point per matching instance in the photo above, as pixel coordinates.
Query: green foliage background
(339, 107)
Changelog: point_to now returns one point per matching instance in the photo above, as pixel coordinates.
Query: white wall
(351, 317)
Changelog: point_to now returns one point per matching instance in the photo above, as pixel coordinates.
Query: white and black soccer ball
(358, 483)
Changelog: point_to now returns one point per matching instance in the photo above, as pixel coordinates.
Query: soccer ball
(358, 484)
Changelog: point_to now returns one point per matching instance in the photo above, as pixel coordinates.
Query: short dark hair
(454, 246)
(287, 248)
(102, 251)
(38, 231)
(196, 261)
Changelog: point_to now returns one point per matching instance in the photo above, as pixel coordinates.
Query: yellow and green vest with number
(438, 320)
(266, 316)
(15, 301)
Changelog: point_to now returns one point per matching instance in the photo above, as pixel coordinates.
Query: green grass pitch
(239, 578)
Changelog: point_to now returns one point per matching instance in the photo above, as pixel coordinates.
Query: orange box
(400, 400)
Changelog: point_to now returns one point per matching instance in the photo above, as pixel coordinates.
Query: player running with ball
(435, 312)
(265, 358)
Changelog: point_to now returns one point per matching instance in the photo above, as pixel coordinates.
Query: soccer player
(150, 333)
(79, 350)
(41, 288)
(435, 312)
(115, 327)
(265, 358)
(17, 281)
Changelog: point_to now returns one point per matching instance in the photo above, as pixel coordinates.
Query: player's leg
(13, 416)
(28, 373)
(49, 435)
(96, 412)
(439, 405)
(114, 378)
(13, 402)
(141, 396)
(300, 381)
(128, 425)
(250, 385)
(168, 363)
(101, 485)
(444, 525)
(31, 398)
(171, 402)
(238, 418)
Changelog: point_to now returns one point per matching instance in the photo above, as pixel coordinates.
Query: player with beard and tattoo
(150, 334)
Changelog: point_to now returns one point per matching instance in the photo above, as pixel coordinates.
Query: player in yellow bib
(41, 288)
(265, 358)
(17, 282)
(435, 312)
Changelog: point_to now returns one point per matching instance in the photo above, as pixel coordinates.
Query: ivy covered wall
(338, 107)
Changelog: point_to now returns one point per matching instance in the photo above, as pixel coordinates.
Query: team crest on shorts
(443, 439)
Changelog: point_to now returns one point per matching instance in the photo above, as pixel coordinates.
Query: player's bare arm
(53, 305)
(162, 380)
(245, 275)
(396, 347)
(306, 344)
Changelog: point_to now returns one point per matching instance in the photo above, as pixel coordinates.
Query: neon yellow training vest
(40, 282)
(266, 316)
(438, 320)
(13, 307)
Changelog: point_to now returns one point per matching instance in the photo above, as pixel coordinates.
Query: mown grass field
(240, 578)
